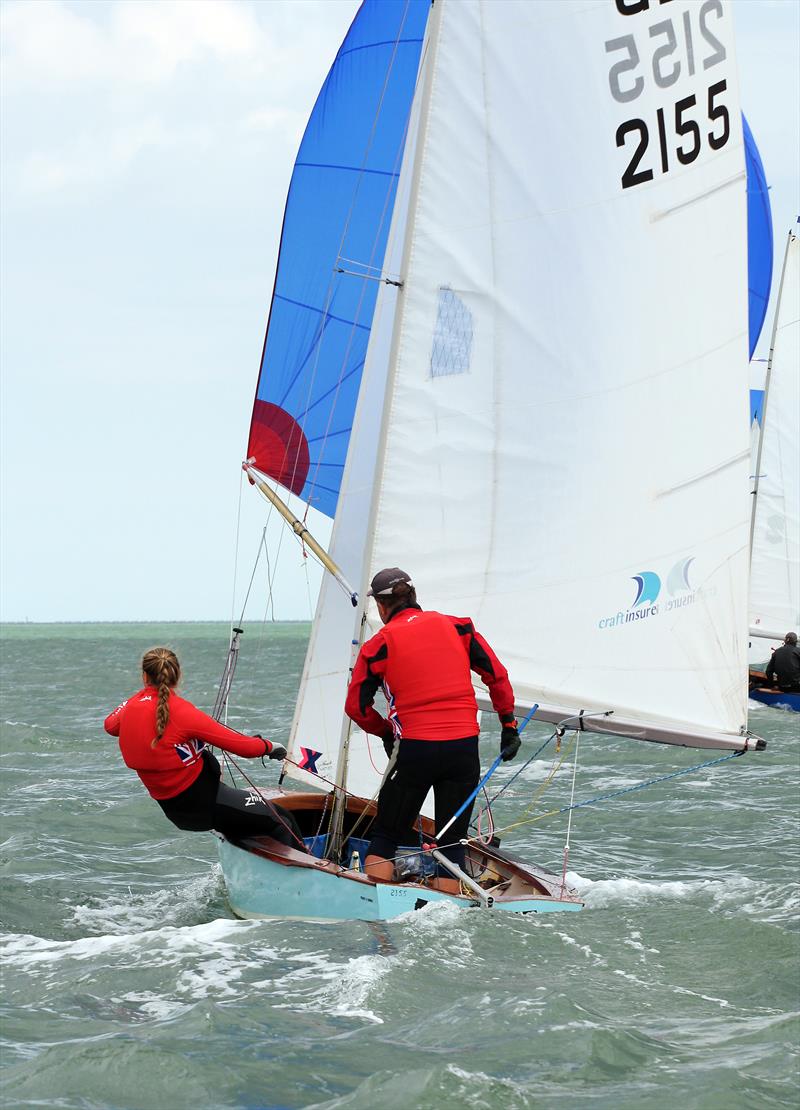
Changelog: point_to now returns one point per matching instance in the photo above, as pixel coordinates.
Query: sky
(145, 154)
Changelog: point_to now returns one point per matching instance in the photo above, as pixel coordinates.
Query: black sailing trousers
(452, 768)
(210, 804)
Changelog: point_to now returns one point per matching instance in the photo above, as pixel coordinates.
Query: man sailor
(422, 659)
(784, 667)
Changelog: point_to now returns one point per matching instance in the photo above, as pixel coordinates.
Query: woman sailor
(163, 738)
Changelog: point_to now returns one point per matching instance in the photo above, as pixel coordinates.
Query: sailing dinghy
(775, 529)
(507, 349)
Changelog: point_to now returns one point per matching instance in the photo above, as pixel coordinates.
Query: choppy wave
(769, 902)
(129, 984)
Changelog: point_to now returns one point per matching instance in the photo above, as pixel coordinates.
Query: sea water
(128, 982)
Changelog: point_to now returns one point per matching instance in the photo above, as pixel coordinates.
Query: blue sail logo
(648, 586)
(645, 605)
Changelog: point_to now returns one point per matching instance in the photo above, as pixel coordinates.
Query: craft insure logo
(651, 596)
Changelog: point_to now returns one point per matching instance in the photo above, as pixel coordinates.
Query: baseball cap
(385, 580)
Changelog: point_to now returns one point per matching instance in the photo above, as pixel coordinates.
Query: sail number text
(680, 130)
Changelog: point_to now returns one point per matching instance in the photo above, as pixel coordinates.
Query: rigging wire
(236, 551)
(571, 804)
(625, 790)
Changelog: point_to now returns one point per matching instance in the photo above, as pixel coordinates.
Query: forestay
(775, 571)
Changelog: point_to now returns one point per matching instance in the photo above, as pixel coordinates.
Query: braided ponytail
(162, 669)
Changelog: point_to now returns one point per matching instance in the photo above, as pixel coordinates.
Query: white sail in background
(775, 567)
(567, 449)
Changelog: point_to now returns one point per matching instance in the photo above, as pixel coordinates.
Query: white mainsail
(775, 559)
(567, 452)
(550, 434)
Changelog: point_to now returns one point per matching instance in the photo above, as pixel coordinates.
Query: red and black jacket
(423, 659)
(175, 762)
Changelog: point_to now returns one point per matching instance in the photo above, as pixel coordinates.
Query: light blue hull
(261, 887)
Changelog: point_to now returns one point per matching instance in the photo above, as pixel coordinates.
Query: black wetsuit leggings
(210, 804)
(451, 767)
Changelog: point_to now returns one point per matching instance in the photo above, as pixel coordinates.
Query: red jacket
(423, 661)
(174, 763)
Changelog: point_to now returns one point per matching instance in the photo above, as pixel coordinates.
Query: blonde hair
(162, 669)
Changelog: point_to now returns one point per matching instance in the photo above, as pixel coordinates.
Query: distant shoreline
(154, 620)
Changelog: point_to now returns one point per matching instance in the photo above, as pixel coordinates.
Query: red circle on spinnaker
(278, 446)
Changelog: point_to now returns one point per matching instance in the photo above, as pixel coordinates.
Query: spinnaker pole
(299, 529)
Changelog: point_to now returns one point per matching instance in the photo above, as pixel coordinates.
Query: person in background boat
(783, 668)
(423, 659)
(163, 738)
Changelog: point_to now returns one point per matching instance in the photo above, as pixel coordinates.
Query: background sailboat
(546, 316)
(775, 559)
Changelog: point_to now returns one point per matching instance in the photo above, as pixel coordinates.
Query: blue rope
(650, 782)
(516, 774)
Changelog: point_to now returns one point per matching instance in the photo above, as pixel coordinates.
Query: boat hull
(777, 699)
(263, 887)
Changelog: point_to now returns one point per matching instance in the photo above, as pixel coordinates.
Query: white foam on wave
(595, 957)
(443, 929)
(634, 940)
(148, 910)
(331, 987)
(601, 893)
(155, 1006)
(770, 903)
(721, 1002)
(158, 945)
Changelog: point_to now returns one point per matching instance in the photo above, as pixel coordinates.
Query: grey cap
(385, 580)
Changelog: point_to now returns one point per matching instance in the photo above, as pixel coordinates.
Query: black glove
(388, 741)
(271, 749)
(509, 742)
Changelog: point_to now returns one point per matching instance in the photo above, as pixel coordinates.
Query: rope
(626, 790)
(236, 551)
(571, 805)
(231, 762)
(527, 762)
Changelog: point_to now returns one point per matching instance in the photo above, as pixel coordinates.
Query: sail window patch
(452, 336)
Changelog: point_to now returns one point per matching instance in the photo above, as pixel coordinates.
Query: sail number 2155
(680, 130)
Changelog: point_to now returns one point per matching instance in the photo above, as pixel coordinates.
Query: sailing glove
(271, 750)
(388, 741)
(509, 742)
